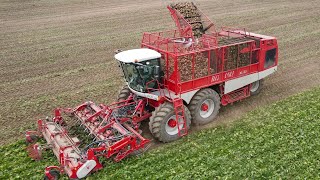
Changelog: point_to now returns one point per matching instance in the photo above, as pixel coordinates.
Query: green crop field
(281, 140)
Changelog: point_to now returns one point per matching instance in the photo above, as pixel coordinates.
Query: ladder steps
(179, 111)
(238, 95)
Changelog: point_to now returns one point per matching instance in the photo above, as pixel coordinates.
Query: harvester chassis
(176, 77)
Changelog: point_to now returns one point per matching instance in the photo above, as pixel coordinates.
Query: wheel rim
(254, 86)
(206, 108)
(172, 125)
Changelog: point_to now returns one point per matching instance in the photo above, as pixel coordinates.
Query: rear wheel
(256, 87)
(124, 93)
(163, 124)
(204, 106)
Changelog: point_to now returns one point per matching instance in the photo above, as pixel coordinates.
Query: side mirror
(117, 51)
(156, 71)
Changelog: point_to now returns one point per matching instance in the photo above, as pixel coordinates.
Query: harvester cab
(139, 67)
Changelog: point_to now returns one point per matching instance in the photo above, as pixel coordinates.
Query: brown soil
(60, 53)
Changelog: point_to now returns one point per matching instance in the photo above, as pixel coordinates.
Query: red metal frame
(164, 43)
(172, 46)
(235, 95)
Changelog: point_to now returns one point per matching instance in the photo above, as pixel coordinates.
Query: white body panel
(147, 95)
(137, 55)
(267, 72)
(237, 83)
(156, 94)
(86, 168)
(188, 96)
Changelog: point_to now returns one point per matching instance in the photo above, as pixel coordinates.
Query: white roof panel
(137, 55)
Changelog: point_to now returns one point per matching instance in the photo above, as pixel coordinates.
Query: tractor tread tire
(259, 88)
(124, 93)
(196, 101)
(159, 119)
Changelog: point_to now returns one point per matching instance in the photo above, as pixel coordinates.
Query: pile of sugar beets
(192, 15)
(244, 58)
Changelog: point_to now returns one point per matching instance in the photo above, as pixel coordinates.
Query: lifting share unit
(113, 131)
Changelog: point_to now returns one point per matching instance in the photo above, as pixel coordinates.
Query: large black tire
(204, 96)
(124, 93)
(256, 87)
(54, 173)
(158, 124)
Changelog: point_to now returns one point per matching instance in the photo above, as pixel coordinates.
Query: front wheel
(124, 93)
(163, 124)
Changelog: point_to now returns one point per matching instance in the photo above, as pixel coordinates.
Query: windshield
(138, 74)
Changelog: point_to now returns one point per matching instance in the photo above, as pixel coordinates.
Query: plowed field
(60, 53)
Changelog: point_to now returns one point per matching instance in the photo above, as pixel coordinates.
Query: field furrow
(60, 53)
